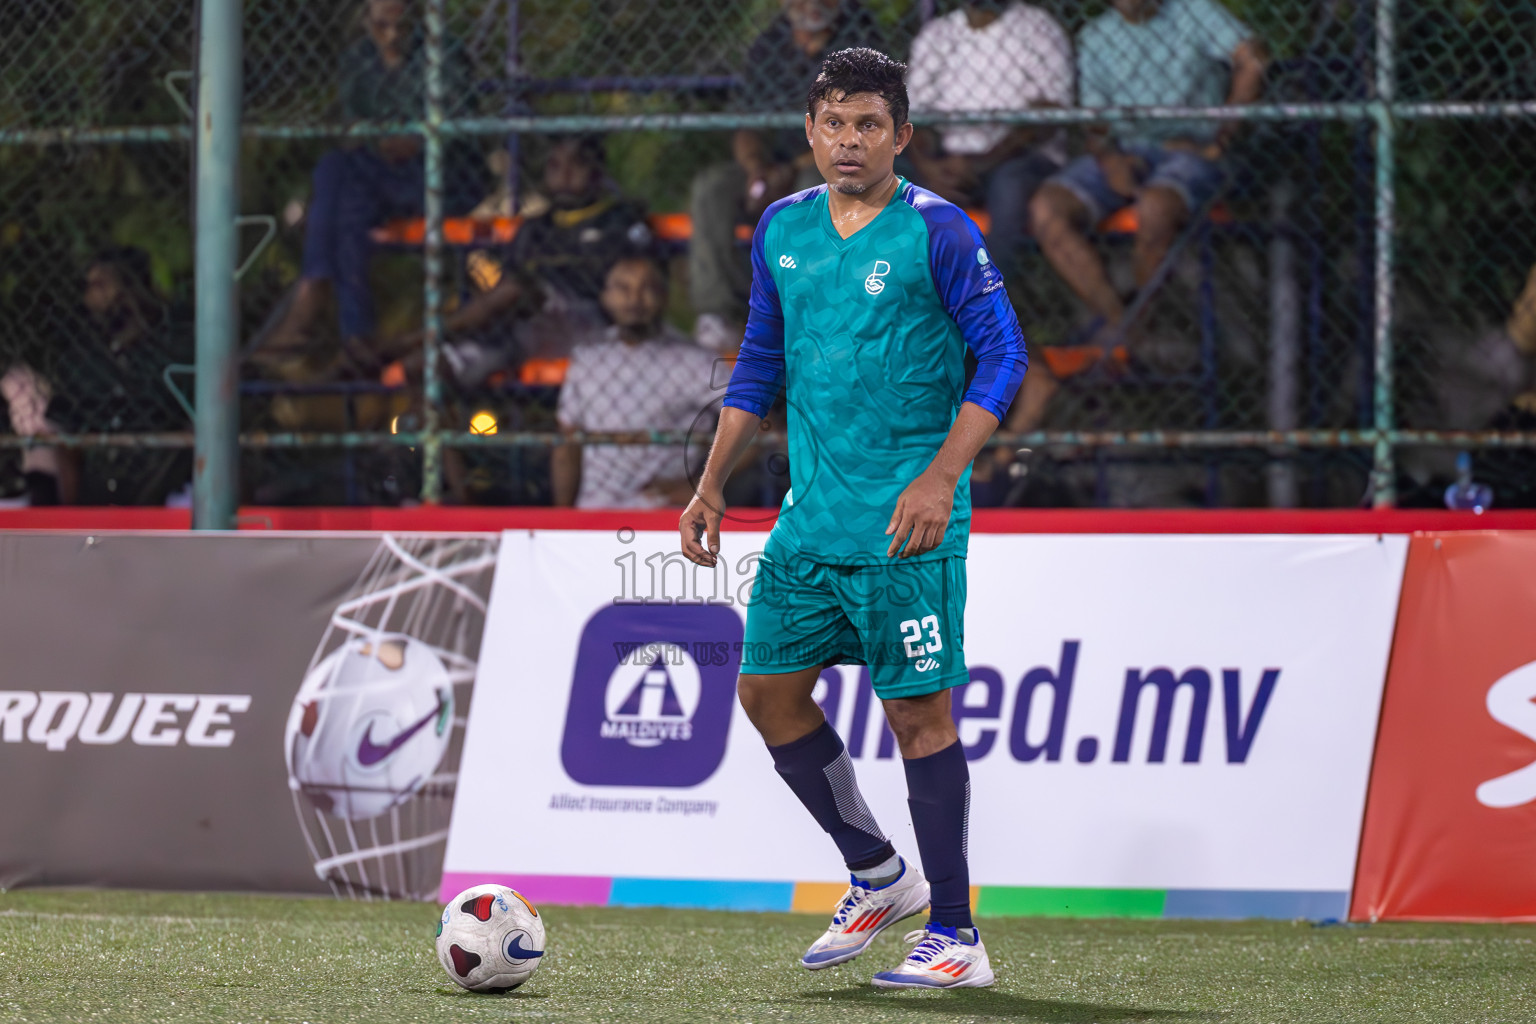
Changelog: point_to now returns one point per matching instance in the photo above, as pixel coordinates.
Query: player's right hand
(700, 526)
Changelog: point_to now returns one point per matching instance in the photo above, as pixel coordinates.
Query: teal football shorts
(905, 620)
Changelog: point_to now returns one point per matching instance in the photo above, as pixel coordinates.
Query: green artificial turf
(130, 957)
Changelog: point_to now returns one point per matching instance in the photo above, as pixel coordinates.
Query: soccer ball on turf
(370, 724)
(490, 939)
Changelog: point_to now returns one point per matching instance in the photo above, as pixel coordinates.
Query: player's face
(855, 141)
(634, 294)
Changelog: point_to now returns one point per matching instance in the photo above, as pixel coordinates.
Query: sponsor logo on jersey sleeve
(990, 275)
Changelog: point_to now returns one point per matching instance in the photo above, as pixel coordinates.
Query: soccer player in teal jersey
(866, 293)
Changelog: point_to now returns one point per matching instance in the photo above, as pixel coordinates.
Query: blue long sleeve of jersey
(759, 371)
(971, 288)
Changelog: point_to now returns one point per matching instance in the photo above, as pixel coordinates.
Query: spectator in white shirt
(990, 55)
(635, 376)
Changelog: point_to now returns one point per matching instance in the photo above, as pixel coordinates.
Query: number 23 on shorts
(912, 636)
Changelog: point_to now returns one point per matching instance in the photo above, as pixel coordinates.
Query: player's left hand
(700, 525)
(921, 516)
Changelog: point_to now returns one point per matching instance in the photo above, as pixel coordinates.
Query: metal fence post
(432, 387)
(216, 465)
(1285, 329)
(1383, 468)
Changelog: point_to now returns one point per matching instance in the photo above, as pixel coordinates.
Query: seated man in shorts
(1142, 53)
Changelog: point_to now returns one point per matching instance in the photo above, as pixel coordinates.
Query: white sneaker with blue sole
(863, 913)
(941, 959)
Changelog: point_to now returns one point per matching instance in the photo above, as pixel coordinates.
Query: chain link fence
(1265, 253)
(95, 244)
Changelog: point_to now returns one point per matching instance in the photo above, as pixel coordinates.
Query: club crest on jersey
(873, 283)
(787, 261)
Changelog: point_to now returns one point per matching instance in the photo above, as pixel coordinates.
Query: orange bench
(538, 372)
(466, 231)
(1126, 221)
(678, 228)
(668, 227)
(1070, 360)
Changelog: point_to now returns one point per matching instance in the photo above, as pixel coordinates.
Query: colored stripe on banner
(1012, 901)
(817, 897)
(566, 890)
(1239, 903)
(989, 900)
(701, 895)
(823, 897)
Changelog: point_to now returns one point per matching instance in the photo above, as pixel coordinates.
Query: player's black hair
(859, 69)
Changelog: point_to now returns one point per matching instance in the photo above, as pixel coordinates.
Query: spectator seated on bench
(1487, 383)
(357, 187)
(781, 65)
(637, 374)
(1142, 53)
(24, 395)
(103, 373)
(546, 292)
(990, 55)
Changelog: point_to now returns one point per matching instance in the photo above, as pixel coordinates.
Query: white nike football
(369, 726)
(490, 938)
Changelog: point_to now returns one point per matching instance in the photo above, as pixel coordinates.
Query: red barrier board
(1450, 820)
(486, 519)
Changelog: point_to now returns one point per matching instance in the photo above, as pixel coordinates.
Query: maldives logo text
(652, 696)
(645, 711)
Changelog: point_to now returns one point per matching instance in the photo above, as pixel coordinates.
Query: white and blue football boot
(863, 913)
(941, 959)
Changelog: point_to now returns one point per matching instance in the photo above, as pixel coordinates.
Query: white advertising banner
(1184, 714)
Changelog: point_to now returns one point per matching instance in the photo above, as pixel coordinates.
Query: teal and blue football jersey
(867, 335)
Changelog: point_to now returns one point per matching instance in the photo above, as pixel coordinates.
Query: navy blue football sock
(817, 768)
(939, 794)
